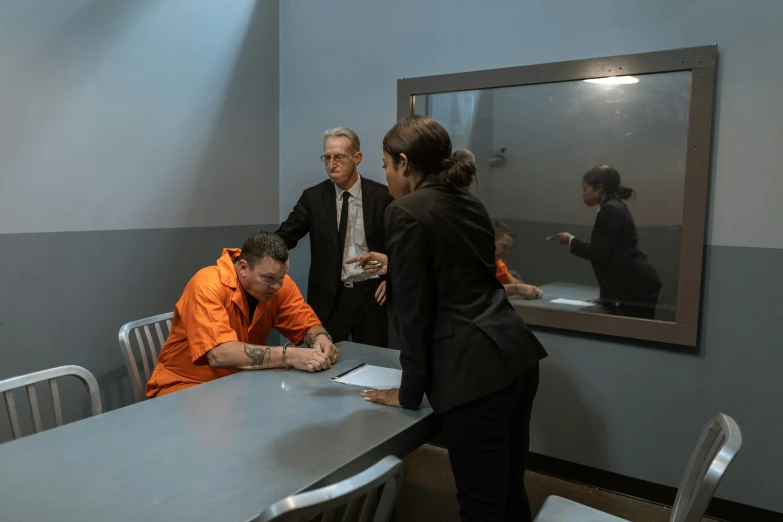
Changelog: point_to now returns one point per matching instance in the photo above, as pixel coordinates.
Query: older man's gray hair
(343, 132)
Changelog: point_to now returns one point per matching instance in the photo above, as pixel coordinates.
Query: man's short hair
(501, 229)
(263, 244)
(343, 132)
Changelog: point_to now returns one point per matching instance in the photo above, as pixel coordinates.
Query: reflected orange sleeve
(502, 273)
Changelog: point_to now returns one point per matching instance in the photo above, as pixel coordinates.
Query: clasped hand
(529, 291)
(320, 357)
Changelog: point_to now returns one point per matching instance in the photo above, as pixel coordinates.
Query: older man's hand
(372, 262)
(564, 238)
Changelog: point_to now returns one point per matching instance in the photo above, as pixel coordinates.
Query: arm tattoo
(259, 356)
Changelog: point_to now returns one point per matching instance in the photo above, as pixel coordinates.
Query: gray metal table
(577, 292)
(224, 450)
(562, 291)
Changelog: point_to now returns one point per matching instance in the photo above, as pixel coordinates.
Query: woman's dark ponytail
(428, 147)
(624, 192)
(460, 169)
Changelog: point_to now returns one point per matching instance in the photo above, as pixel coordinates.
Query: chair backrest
(133, 348)
(719, 443)
(368, 496)
(8, 386)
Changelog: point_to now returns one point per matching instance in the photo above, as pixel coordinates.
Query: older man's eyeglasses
(339, 158)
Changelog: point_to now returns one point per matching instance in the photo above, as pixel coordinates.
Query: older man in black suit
(344, 217)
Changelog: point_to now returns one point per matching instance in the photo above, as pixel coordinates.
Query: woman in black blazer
(629, 283)
(462, 343)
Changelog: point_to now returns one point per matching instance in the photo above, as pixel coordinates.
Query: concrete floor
(429, 494)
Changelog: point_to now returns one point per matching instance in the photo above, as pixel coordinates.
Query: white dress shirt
(355, 238)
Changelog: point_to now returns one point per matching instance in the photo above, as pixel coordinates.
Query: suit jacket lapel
(368, 212)
(329, 198)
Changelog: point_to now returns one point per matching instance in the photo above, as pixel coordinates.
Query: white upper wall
(137, 114)
(340, 62)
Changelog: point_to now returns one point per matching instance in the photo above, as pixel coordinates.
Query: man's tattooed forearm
(259, 356)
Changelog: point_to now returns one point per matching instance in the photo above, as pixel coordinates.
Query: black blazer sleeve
(604, 237)
(297, 225)
(406, 245)
(386, 200)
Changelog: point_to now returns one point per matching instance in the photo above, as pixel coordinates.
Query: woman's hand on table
(388, 397)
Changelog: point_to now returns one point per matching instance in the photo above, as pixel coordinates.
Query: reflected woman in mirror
(629, 283)
(462, 343)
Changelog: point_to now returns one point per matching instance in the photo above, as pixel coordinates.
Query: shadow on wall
(39, 100)
(242, 150)
(116, 390)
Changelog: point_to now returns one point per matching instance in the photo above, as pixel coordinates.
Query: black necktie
(343, 229)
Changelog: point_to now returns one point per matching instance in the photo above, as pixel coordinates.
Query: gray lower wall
(540, 262)
(637, 409)
(65, 296)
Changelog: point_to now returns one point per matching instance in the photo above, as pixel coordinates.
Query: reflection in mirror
(610, 250)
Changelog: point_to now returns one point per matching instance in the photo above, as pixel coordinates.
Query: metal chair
(8, 386)
(367, 496)
(718, 445)
(130, 353)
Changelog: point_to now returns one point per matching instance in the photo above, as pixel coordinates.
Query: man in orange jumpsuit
(504, 238)
(225, 314)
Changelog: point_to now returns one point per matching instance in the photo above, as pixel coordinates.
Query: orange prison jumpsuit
(502, 273)
(212, 311)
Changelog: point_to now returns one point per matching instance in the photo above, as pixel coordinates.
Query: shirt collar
(354, 191)
(429, 179)
(228, 277)
(228, 274)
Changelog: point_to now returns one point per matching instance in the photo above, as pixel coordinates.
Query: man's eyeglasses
(339, 158)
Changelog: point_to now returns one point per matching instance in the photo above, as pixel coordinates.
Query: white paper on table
(371, 377)
(571, 302)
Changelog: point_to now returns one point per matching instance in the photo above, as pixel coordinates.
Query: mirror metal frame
(701, 62)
